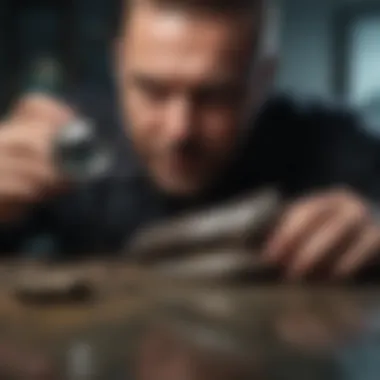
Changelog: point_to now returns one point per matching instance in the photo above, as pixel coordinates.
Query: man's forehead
(165, 39)
(164, 22)
(162, 61)
(214, 6)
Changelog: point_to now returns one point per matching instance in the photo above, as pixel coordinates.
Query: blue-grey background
(329, 48)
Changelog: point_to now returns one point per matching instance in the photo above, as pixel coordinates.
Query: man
(192, 78)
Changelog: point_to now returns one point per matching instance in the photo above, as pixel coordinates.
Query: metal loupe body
(80, 153)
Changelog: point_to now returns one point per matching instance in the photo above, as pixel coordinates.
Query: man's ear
(271, 67)
(260, 85)
(262, 78)
(266, 73)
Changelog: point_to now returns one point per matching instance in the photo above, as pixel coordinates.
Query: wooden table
(259, 317)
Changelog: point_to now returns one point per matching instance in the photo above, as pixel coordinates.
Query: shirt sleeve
(331, 148)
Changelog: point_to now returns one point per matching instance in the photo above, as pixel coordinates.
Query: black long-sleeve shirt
(298, 148)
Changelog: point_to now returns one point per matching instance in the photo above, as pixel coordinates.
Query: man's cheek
(220, 125)
(148, 142)
(220, 141)
(143, 141)
(143, 123)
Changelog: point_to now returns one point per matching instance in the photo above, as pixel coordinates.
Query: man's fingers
(17, 190)
(24, 146)
(39, 107)
(313, 230)
(19, 139)
(29, 168)
(323, 242)
(359, 254)
(25, 180)
(293, 226)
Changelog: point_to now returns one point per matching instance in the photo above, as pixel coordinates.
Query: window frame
(344, 18)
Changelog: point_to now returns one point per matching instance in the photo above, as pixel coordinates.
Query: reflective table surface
(105, 321)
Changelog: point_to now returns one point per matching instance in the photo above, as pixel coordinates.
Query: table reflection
(256, 332)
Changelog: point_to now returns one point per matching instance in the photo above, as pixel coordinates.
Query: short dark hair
(223, 6)
(246, 7)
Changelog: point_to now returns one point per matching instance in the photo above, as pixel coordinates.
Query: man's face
(183, 80)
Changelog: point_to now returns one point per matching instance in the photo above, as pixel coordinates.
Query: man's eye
(153, 91)
(217, 97)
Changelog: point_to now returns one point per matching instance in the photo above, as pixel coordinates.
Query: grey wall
(364, 56)
(307, 50)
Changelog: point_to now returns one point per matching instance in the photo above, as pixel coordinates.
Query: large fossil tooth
(238, 222)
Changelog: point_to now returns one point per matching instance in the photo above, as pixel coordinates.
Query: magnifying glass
(80, 153)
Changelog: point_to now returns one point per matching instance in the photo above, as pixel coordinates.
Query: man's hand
(332, 232)
(27, 171)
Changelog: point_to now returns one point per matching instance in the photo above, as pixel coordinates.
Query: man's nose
(179, 119)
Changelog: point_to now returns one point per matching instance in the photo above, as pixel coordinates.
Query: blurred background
(329, 48)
